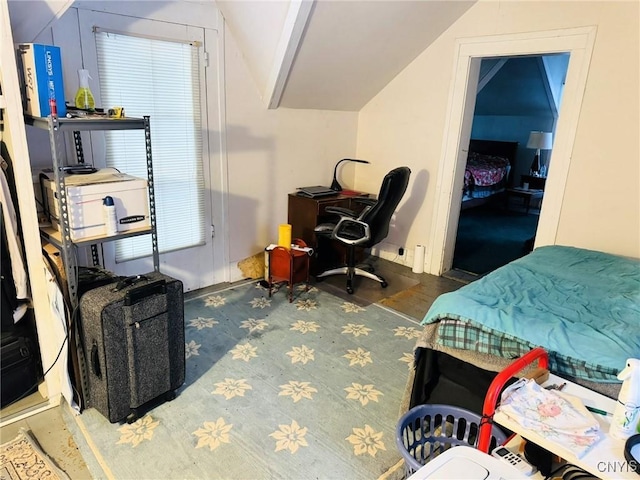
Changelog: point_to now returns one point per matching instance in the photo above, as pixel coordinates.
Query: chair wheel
(350, 290)
(384, 284)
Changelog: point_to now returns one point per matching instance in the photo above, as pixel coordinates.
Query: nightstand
(526, 195)
(535, 183)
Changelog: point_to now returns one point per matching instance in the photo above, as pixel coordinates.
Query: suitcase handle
(95, 360)
(125, 282)
(135, 295)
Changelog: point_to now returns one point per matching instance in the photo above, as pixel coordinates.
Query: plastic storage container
(425, 431)
(85, 197)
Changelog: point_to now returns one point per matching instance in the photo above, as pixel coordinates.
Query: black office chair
(366, 229)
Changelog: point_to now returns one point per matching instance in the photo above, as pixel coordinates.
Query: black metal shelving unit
(58, 129)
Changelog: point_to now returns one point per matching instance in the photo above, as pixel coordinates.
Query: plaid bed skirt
(460, 334)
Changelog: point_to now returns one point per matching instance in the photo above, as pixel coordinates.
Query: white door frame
(219, 175)
(578, 42)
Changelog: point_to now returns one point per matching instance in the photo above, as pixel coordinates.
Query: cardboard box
(85, 194)
(42, 77)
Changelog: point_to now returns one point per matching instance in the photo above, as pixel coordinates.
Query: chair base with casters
(362, 270)
(365, 229)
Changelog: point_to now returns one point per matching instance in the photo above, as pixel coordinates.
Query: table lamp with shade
(539, 141)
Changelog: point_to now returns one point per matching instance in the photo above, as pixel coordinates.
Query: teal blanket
(579, 304)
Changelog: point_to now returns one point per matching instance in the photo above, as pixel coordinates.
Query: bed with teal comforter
(582, 306)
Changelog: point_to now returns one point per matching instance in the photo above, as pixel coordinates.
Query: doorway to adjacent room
(499, 218)
(578, 43)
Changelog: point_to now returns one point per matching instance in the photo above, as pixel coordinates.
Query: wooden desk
(306, 213)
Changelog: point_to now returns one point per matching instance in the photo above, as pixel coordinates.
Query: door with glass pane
(158, 69)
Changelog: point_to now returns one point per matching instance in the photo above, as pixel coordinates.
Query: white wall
(270, 153)
(404, 124)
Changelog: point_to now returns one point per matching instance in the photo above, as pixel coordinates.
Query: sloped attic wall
(29, 19)
(333, 55)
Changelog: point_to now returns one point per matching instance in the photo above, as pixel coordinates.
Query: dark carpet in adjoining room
(490, 237)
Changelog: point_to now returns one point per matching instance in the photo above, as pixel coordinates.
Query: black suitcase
(132, 334)
(20, 371)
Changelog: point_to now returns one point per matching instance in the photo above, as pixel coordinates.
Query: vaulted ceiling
(528, 85)
(351, 50)
(345, 52)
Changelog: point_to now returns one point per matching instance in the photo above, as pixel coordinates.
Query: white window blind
(161, 79)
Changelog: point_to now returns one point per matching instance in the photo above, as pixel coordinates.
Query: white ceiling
(348, 51)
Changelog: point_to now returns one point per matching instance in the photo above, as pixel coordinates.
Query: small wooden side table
(535, 183)
(289, 265)
(526, 194)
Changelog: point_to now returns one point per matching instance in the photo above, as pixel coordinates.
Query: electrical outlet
(401, 251)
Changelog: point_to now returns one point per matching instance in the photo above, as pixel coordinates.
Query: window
(161, 79)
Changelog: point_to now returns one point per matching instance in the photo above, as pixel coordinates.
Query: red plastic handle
(491, 399)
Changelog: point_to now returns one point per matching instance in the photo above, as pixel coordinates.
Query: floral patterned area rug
(274, 390)
(23, 459)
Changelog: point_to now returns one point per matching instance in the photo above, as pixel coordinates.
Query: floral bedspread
(484, 170)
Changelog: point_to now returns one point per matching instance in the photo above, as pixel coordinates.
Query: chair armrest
(368, 205)
(343, 212)
(365, 201)
(352, 232)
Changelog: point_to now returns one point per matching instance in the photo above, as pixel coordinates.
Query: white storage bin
(85, 195)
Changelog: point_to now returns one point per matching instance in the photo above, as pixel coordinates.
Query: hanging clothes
(14, 247)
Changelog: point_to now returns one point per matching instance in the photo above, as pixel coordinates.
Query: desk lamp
(335, 185)
(539, 141)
